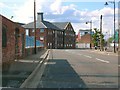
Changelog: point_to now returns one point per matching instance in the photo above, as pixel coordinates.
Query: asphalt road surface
(72, 68)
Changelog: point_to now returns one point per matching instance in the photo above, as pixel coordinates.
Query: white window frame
(42, 37)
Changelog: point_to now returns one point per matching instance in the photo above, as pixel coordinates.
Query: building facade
(51, 35)
(83, 39)
(68, 34)
(13, 40)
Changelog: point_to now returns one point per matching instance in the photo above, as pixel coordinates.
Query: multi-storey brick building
(68, 34)
(51, 34)
(13, 40)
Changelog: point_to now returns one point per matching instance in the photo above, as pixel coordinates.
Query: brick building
(68, 34)
(13, 40)
(83, 39)
(52, 35)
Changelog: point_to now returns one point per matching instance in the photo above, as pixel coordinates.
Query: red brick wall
(37, 33)
(8, 52)
(69, 38)
(21, 42)
(85, 39)
(30, 51)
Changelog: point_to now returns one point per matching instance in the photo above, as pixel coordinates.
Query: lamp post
(113, 2)
(90, 33)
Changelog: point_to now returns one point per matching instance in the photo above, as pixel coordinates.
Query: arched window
(4, 36)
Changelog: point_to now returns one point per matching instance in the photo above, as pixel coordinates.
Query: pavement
(21, 69)
(105, 52)
(33, 79)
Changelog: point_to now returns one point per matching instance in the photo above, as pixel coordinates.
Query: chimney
(40, 17)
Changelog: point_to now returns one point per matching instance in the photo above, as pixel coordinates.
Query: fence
(83, 45)
(29, 45)
(30, 42)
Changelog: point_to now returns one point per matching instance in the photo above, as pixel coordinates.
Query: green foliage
(111, 39)
(96, 37)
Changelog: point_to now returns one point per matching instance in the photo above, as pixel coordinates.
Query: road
(72, 68)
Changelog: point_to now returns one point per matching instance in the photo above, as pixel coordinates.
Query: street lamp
(113, 2)
(90, 33)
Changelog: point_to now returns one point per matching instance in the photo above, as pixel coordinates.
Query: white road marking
(102, 60)
(87, 56)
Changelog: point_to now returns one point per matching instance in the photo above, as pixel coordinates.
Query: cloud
(56, 7)
(2, 5)
(57, 11)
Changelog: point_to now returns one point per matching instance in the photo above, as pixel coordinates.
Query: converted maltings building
(52, 35)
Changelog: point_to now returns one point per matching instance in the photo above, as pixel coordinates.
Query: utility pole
(101, 42)
(35, 27)
(114, 28)
(91, 34)
(113, 2)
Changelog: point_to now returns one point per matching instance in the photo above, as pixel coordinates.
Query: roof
(84, 30)
(20, 23)
(43, 24)
(60, 25)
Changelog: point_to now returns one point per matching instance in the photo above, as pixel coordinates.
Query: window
(4, 36)
(48, 44)
(65, 45)
(27, 31)
(33, 30)
(53, 31)
(65, 34)
(41, 30)
(86, 32)
(41, 37)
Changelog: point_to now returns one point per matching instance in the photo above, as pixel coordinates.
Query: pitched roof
(50, 25)
(43, 24)
(60, 25)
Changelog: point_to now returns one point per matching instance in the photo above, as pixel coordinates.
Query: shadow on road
(59, 74)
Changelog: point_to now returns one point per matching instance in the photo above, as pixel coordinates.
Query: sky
(78, 12)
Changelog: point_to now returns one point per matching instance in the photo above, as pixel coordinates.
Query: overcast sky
(77, 12)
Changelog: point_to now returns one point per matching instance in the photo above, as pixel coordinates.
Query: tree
(96, 38)
(110, 39)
